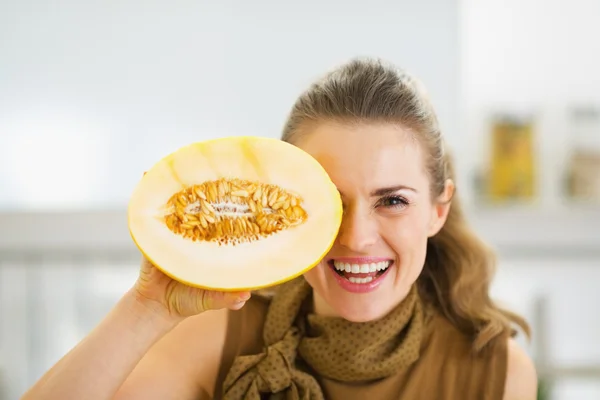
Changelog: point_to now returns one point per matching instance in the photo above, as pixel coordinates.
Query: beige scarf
(333, 348)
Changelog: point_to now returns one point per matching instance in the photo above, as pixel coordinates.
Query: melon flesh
(234, 264)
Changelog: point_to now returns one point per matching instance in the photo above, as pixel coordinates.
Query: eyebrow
(388, 190)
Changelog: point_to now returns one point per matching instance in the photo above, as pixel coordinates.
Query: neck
(321, 307)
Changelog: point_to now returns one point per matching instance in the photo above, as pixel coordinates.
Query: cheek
(405, 232)
(407, 237)
(316, 276)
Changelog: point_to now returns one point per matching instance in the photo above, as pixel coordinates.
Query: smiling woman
(399, 307)
(404, 263)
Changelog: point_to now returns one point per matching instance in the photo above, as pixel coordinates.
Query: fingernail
(244, 296)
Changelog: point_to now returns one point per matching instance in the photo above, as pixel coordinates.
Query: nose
(358, 231)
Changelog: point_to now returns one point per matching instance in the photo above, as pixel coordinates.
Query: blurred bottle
(512, 172)
(583, 172)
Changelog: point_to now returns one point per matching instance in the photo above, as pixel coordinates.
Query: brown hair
(459, 267)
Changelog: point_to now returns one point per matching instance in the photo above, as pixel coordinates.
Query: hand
(155, 288)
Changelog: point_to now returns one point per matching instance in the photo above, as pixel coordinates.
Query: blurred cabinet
(47, 305)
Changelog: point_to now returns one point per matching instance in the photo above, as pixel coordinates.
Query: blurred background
(93, 93)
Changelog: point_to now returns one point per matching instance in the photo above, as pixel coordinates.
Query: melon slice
(235, 213)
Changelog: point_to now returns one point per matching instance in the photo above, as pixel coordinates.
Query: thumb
(214, 300)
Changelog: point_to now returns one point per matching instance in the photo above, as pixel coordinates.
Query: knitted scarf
(331, 347)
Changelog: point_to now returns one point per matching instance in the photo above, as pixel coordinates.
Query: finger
(237, 306)
(214, 300)
(146, 266)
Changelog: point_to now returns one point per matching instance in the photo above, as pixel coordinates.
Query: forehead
(378, 153)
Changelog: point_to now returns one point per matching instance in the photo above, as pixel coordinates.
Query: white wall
(92, 93)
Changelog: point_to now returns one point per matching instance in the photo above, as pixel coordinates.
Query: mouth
(360, 274)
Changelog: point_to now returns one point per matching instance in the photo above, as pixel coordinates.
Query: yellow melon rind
(317, 243)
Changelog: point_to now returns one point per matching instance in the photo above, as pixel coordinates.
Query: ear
(441, 208)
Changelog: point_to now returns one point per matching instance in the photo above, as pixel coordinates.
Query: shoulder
(502, 370)
(207, 343)
(521, 376)
(183, 363)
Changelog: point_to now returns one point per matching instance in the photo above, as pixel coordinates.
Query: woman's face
(388, 215)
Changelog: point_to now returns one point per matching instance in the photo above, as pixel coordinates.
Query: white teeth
(361, 268)
(360, 280)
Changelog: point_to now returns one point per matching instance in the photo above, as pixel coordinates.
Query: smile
(361, 274)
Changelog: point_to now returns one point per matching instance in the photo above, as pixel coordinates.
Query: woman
(399, 308)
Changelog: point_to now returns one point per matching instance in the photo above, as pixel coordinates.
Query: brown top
(446, 368)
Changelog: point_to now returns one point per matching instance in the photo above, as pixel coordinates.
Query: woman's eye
(393, 201)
